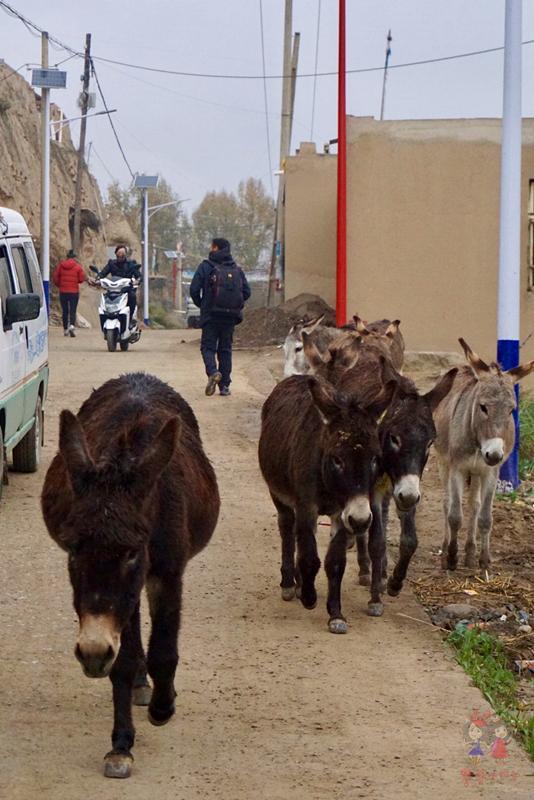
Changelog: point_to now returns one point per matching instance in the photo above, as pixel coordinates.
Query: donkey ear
(324, 397)
(349, 353)
(74, 450)
(158, 453)
(475, 361)
(441, 389)
(312, 353)
(312, 324)
(382, 401)
(392, 328)
(360, 325)
(517, 373)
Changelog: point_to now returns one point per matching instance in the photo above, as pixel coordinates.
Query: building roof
(12, 223)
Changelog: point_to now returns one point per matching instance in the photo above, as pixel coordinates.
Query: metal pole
(83, 127)
(388, 53)
(285, 137)
(146, 316)
(45, 176)
(510, 219)
(294, 68)
(341, 264)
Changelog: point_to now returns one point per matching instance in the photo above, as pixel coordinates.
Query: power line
(265, 100)
(31, 25)
(113, 178)
(123, 154)
(316, 65)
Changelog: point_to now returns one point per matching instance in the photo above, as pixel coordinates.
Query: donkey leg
(286, 526)
(364, 563)
(386, 500)
(335, 562)
(377, 551)
(454, 517)
(307, 560)
(165, 599)
(474, 510)
(118, 762)
(408, 546)
(485, 519)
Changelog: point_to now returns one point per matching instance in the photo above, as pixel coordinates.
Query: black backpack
(227, 288)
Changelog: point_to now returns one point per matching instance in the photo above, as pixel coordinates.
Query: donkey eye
(483, 408)
(131, 558)
(394, 441)
(337, 462)
(298, 348)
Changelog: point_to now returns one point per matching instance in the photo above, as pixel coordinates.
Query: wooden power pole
(76, 234)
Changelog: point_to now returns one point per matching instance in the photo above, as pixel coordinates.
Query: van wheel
(27, 454)
(124, 346)
(111, 339)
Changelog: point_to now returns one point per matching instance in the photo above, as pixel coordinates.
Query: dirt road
(270, 705)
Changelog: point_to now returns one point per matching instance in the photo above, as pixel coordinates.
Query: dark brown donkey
(406, 432)
(319, 454)
(131, 497)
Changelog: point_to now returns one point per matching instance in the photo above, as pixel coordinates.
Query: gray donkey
(475, 435)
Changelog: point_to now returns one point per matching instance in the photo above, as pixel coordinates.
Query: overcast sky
(203, 134)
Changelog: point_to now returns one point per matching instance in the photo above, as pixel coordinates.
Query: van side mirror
(21, 308)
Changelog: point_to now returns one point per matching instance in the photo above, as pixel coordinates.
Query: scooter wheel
(111, 340)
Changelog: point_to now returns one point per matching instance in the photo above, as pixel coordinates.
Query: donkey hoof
(158, 717)
(337, 625)
(470, 560)
(118, 765)
(298, 592)
(364, 580)
(392, 589)
(288, 593)
(375, 609)
(309, 602)
(142, 695)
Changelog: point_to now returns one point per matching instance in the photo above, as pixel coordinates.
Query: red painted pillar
(341, 261)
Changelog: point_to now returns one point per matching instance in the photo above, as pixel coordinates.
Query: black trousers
(69, 304)
(216, 348)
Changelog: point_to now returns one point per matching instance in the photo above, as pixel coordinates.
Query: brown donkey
(131, 497)
(319, 454)
(475, 435)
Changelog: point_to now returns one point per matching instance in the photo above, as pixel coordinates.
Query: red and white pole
(341, 261)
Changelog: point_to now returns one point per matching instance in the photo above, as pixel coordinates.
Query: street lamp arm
(153, 209)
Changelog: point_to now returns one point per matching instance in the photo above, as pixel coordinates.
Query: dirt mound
(264, 326)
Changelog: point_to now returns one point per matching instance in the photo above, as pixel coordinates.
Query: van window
(21, 268)
(35, 274)
(6, 280)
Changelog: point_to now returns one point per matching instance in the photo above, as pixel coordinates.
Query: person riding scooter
(122, 267)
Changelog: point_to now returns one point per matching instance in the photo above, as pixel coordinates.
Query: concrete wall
(423, 224)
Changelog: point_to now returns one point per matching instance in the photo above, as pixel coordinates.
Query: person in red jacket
(67, 276)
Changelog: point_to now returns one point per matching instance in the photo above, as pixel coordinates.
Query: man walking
(67, 277)
(219, 288)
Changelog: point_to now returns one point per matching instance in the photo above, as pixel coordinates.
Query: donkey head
(341, 355)
(406, 435)
(350, 449)
(106, 532)
(295, 360)
(494, 402)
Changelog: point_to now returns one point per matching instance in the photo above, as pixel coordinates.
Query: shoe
(66, 332)
(212, 383)
(71, 331)
(225, 391)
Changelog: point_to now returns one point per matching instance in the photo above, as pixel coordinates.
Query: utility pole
(341, 260)
(508, 312)
(388, 53)
(45, 176)
(285, 144)
(81, 149)
(146, 306)
(294, 68)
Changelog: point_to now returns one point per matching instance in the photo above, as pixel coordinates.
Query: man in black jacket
(122, 267)
(219, 288)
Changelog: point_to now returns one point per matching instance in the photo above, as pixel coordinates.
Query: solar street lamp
(145, 182)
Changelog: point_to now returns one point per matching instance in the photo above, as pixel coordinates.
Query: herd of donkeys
(131, 496)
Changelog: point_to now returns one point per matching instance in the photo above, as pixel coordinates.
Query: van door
(35, 330)
(12, 354)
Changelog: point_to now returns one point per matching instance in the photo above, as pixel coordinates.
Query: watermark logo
(486, 740)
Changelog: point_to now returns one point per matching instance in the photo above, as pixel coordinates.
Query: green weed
(484, 659)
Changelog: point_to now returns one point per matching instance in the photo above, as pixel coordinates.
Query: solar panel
(49, 78)
(146, 181)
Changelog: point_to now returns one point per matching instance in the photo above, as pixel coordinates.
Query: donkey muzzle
(407, 492)
(493, 451)
(98, 645)
(356, 515)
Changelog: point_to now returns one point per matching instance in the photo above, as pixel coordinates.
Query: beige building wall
(423, 226)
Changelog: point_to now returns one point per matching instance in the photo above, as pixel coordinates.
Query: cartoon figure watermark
(486, 738)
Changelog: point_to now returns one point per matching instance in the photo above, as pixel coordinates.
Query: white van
(23, 347)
